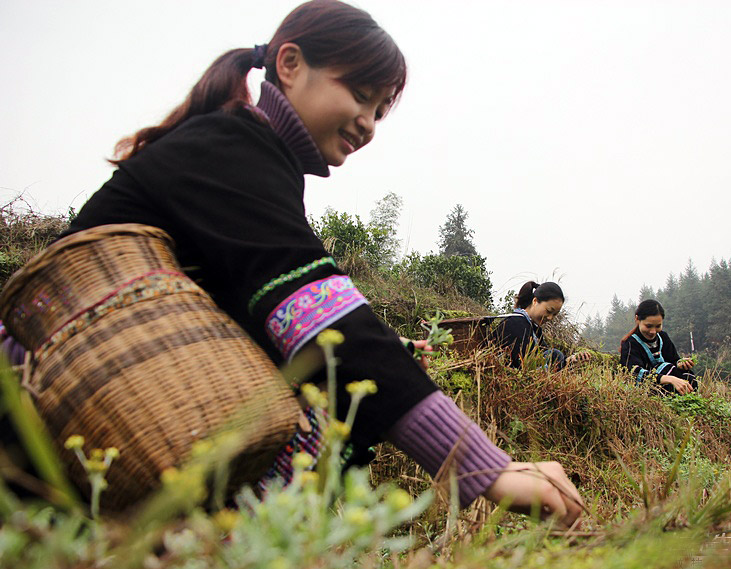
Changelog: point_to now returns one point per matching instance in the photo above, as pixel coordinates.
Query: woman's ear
(637, 320)
(289, 63)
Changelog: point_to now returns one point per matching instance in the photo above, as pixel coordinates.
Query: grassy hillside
(653, 471)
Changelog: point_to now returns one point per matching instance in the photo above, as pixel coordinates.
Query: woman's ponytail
(525, 294)
(223, 85)
(541, 292)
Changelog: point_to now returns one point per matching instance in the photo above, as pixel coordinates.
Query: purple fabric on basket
(429, 431)
(13, 351)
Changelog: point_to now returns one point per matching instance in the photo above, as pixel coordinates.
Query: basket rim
(41, 260)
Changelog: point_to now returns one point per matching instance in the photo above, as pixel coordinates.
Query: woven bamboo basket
(130, 353)
(470, 333)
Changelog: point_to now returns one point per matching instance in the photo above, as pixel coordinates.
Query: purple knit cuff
(429, 432)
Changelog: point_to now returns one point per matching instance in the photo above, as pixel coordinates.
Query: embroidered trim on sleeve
(309, 310)
(287, 277)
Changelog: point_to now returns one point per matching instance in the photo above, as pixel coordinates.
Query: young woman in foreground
(225, 178)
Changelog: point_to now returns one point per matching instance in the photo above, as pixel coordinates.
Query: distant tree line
(373, 245)
(696, 306)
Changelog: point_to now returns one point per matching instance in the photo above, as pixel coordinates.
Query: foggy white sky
(589, 140)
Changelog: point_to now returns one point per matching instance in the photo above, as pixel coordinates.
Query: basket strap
(154, 284)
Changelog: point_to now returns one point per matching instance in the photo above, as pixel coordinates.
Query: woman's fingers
(544, 485)
(562, 490)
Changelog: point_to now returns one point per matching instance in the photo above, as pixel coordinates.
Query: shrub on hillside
(465, 275)
(354, 244)
(23, 233)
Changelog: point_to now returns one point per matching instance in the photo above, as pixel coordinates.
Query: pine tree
(594, 331)
(455, 238)
(718, 305)
(646, 293)
(619, 321)
(685, 313)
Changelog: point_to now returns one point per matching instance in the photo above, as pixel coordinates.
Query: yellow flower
(201, 448)
(170, 475)
(94, 465)
(74, 442)
(330, 338)
(357, 516)
(280, 563)
(314, 396)
(398, 499)
(302, 460)
(111, 453)
(338, 429)
(309, 477)
(358, 493)
(96, 454)
(226, 519)
(362, 388)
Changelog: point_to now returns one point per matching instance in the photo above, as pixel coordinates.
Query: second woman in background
(522, 330)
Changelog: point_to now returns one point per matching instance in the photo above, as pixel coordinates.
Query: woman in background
(522, 330)
(650, 355)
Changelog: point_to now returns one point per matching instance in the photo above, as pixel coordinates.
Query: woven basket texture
(149, 377)
(469, 333)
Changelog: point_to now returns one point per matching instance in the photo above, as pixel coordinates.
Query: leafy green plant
(714, 409)
(466, 275)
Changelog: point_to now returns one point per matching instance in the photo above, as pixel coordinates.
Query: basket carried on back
(470, 333)
(129, 352)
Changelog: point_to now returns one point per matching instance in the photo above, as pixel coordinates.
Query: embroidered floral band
(309, 310)
(151, 285)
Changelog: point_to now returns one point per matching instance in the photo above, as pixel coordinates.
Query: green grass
(653, 471)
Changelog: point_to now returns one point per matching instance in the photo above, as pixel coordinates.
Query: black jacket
(517, 334)
(635, 357)
(230, 193)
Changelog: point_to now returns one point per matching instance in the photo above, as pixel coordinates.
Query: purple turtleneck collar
(289, 127)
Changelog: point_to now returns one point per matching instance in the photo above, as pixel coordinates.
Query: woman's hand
(544, 484)
(578, 357)
(680, 385)
(422, 345)
(685, 364)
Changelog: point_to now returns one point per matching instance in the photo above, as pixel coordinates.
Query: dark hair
(329, 33)
(646, 308)
(542, 292)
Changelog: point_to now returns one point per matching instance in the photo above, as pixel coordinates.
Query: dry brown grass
(592, 419)
(23, 233)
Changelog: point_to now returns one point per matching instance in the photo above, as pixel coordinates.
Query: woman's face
(340, 118)
(650, 326)
(542, 311)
